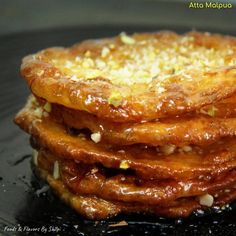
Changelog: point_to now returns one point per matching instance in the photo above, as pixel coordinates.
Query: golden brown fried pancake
(147, 162)
(197, 130)
(86, 179)
(97, 208)
(139, 77)
(114, 118)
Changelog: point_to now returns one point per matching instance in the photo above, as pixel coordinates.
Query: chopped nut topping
(115, 99)
(161, 89)
(126, 39)
(34, 100)
(96, 137)
(87, 63)
(121, 151)
(94, 170)
(38, 112)
(82, 136)
(211, 111)
(168, 149)
(156, 59)
(87, 54)
(40, 73)
(123, 178)
(68, 64)
(206, 200)
(124, 164)
(74, 78)
(222, 208)
(56, 173)
(45, 114)
(47, 107)
(111, 46)
(187, 148)
(100, 64)
(105, 52)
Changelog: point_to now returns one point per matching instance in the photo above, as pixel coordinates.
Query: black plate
(21, 209)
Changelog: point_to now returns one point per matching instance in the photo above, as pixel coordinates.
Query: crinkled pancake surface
(94, 207)
(142, 123)
(121, 186)
(209, 161)
(138, 77)
(198, 129)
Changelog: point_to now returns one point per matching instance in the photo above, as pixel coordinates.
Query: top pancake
(140, 77)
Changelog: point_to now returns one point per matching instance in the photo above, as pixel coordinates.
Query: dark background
(24, 15)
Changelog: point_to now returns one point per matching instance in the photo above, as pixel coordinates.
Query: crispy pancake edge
(93, 95)
(53, 136)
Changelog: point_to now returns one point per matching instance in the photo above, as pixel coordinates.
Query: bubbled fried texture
(192, 129)
(213, 160)
(157, 75)
(141, 123)
(87, 179)
(96, 208)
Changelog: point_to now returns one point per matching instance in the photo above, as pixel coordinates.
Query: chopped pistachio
(211, 111)
(47, 107)
(34, 100)
(38, 112)
(56, 172)
(124, 165)
(126, 39)
(115, 99)
(87, 63)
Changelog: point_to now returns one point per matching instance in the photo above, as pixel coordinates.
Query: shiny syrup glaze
(190, 129)
(47, 209)
(215, 159)
(182, 93)
(83, 179)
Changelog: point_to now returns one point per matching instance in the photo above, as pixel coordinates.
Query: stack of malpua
(135, 124)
